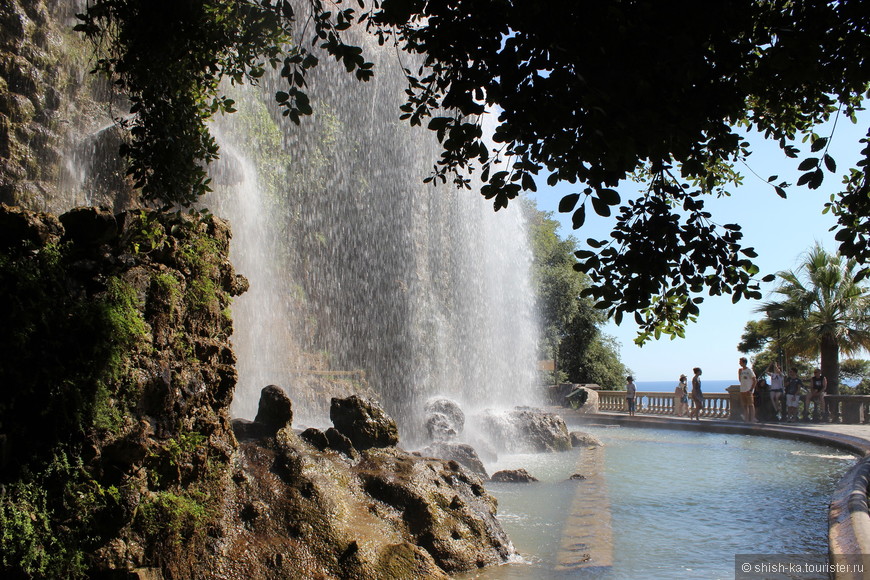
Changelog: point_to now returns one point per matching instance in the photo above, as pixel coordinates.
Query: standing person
(630, 394)
(746, 377)
(681, 398)
(697, 396)
(818, 388)
(793, 386)
(776, 387)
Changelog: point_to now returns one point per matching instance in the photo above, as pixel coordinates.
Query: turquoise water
(666, 504)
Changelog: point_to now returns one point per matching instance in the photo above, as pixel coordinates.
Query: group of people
(682, 396)
(750, 387)
(792, 387)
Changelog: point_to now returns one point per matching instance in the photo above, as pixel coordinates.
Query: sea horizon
(707, 385)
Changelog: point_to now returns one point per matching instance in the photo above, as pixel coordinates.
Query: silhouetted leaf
(808, 163)
(579, 217)
(567, 203)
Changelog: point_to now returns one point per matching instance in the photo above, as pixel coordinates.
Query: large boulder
(297, 512)
(461, 453)
(364, 422)
(525, 430)
(444, 419)
(90, 225)
(275, 410)
(583, 399)
(583, 439)
(513, 476)
(19, 227)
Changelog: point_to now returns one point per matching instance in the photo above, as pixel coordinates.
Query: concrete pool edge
(848, 517)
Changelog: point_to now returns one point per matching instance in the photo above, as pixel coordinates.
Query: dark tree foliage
(588, 93)
(591, 92)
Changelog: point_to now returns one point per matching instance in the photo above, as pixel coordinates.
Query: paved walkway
(853, 438)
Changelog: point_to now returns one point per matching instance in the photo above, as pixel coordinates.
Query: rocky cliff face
(48, 103)
(118, 454)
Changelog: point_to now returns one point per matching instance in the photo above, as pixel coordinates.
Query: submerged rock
(513, 476)
(582, 439)
(364, 422)
(526, 429)
(461, 453)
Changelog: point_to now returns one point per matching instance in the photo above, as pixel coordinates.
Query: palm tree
(822, 311)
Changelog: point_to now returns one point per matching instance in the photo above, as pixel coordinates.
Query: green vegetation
(570, 322)
(50, 520)
(176, 519)
(96, 352)
(146, 233)
(61, 351)
(856, 371)
(820, 311)
(170, 59)
(64, 374)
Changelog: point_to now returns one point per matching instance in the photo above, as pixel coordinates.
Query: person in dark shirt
(818, 388)
(697, 396)
(793, 387)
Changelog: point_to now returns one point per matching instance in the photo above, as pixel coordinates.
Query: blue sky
(779, 229)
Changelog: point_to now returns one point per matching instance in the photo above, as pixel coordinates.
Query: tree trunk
(830, 363)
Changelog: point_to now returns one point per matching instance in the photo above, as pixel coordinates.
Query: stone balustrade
(848, 408)
(716, 405)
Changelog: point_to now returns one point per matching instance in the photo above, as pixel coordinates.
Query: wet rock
(315, 437)
(406, 560)
(18, 227)
(244, 429)
(461, 453)
(412, 517)
(577, 477)
(513, 476)
(444, 419)
(364, 422)
(447, 510)
(275, 410)
(146, 574)
(525, 429)
(582, 439)
(90, 225)
(340, 443)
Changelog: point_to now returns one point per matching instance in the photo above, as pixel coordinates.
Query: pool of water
(664, 504)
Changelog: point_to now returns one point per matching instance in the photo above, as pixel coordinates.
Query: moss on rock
(118, 454)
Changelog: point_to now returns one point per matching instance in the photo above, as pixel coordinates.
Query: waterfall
(356, 265)
(363, 279)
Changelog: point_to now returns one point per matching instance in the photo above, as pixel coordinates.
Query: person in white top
(776, 388)
(747, 379)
